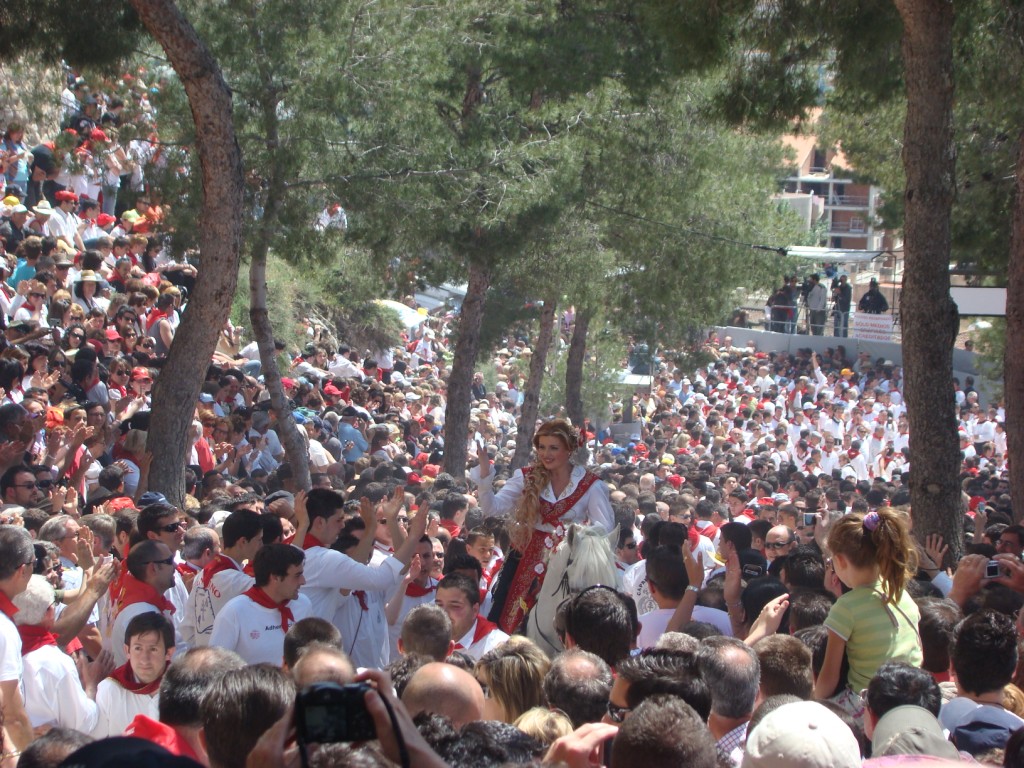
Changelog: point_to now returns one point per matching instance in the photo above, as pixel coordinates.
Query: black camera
(992, 569)
(326, 713)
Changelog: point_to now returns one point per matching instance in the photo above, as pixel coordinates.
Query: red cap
(113, 335)
(413, 479)
(105, 220)
(141, 372)
(431, 470)
(64, 196)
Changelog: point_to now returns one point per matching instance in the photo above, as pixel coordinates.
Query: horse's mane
(593, 561)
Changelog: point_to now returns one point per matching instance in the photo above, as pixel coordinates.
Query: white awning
(837, 255)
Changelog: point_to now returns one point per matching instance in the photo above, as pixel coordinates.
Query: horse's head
(589, 557)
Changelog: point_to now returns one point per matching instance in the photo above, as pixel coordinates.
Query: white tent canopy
(408, 316)
(838, 255)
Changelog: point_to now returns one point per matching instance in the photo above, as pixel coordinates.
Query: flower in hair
(871, 520)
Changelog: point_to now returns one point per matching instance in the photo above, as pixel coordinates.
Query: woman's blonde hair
(527, 514)
(515, 672)
(880, 539)
(545, 725)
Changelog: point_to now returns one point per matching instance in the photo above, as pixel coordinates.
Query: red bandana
(415, 590)
(135, 591)
(360, 595)
(8, 608)
(187, 569)
(852, 453)
(258, 596)
(483, 629)
(34, 637)
(311, 541)
(125, 677)
(215, 566)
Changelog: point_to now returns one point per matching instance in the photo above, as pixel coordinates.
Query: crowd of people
(770, 604)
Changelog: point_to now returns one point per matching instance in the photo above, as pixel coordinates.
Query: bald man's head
(445, 690)
(322, 663)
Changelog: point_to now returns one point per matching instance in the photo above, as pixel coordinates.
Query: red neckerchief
(852, 453)
(258, 596)
(135, 591)
(360, 595)
(34, 637)
(125, 677)
(155, 315)
(219, 563)
(451, 527)
(311, 541)
(483, 629)
(416, 590)
(8, 608)
(187, 569)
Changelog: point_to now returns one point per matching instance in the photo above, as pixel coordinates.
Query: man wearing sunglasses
(160, 521)
(151, 573)
(19, 488)
(779, 542)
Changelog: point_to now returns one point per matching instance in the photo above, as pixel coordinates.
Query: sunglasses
(172, 528)
(617, 713)
(168, 561)
(37, 295)
(777, 544)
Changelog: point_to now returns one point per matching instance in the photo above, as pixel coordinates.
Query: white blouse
(594, 508)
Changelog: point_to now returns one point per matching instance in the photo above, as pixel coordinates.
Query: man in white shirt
(328, 571)
(133, 688)
(17, 558)
(64, 224)
(54, 695)
(459, 596)
(668, 582)
(417, 588)
(254, 624)
(223, 578)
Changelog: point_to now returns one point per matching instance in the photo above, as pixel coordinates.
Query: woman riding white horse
(541, 500)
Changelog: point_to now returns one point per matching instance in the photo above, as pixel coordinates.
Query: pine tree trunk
(531, 395)
(460, 381)
(574, 367)
(1013, 370)
(293, 439)
(220, 225)
(928, 313)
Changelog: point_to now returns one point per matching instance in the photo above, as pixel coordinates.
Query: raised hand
(484, 458)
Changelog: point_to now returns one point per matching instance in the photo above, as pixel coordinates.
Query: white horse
(584, 558)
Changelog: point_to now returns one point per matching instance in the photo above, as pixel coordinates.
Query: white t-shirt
(254, 632)
(53, 691)
(488, 642)
(117, 707)
(652, 625)
(206, 601)
(10, 650)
